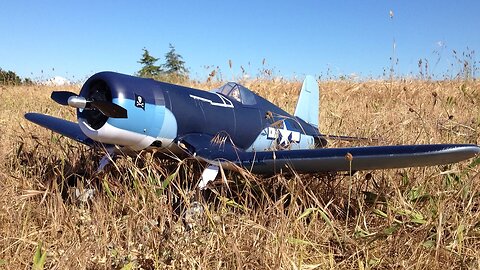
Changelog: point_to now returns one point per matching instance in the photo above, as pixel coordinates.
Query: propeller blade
(109, 109)
(61, 97)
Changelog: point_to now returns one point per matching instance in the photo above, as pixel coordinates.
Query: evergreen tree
(174, 64)
(149, 69)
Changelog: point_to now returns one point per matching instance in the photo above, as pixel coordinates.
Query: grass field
(416, 218)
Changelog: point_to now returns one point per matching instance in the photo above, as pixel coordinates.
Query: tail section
(308, 104)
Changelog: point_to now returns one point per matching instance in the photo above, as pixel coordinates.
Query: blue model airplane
(229, 127)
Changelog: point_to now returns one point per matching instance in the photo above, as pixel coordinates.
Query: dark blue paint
(243, 123)
(61, 126)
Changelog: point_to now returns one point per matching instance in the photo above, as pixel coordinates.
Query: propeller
(108, 109)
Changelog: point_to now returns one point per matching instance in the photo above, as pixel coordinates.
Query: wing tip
(473, 149)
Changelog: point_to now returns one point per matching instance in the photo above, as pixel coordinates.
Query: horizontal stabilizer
(61, 126)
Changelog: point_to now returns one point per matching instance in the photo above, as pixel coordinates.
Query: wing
(61, 126)
(364, 158)
(329, 159)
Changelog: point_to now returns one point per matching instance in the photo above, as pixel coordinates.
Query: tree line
(8, 77)
(172, 70)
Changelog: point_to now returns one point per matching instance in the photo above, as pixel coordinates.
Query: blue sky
(75, 39)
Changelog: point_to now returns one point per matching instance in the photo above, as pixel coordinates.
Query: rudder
(308, 104)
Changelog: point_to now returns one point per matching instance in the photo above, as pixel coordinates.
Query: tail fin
(308, 103)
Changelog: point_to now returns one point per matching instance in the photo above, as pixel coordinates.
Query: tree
(149, 69)
(174, 64)
(9, 77)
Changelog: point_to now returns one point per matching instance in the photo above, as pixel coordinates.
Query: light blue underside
(149, 121)
(170, 127)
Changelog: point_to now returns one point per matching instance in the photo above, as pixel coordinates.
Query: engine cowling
(148, 120)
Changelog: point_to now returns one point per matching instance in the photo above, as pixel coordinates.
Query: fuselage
(159, 113)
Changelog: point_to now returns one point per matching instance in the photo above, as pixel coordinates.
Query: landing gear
(193, 214)
(195, 211)
(208, 175)
(109, 155)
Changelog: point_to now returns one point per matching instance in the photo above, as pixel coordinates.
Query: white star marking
(284, 135)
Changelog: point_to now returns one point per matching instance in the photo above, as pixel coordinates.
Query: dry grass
(409, 218)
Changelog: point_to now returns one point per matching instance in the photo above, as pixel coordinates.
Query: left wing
(363, 158)
(329, 159)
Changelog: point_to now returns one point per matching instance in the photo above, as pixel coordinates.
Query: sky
(76, 39)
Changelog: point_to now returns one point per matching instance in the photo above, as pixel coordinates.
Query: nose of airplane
(149, 121)
(155, 125)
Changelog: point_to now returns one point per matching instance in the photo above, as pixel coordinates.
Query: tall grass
(406, 218)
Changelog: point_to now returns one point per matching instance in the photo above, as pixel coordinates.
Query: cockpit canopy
(238, 92)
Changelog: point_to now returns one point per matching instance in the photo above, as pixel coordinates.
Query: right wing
(61, 126)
